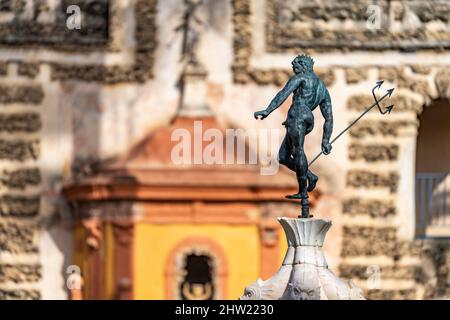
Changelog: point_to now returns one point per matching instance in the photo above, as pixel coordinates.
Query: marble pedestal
(304, 274)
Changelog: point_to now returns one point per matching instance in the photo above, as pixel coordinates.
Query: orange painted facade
(138, 220)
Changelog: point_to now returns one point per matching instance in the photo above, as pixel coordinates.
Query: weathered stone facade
(70, 99)
(19, 206)
(20, 273)
(285, 17)
(372, 208)
(17, 237)
(19, 294)
(21, 94)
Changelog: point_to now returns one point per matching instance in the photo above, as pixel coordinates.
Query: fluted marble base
(304, 274)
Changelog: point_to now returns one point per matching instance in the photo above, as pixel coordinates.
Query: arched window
(197, 282)
(432, 171)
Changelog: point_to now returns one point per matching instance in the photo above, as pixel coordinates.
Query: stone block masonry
(20, 181)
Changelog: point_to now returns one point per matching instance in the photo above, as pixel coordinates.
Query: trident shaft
(376, 103)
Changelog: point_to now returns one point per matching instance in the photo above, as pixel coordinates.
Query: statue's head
(302, 63)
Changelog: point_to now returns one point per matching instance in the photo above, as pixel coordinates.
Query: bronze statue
(309, 92)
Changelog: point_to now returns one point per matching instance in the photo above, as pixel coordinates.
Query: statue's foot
(294, 196)
(312, 180)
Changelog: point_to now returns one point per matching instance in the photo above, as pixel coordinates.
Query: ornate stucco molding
(404, 25)
(243, 72)
(100, 34)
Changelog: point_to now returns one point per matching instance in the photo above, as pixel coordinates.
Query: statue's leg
(312, 180)
(285, 154)
(301, 168)
(297, 137)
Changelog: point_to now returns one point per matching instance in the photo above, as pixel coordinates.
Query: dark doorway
(433, 168)
(198, 281)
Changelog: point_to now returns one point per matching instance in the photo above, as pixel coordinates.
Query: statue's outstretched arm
(291, 85)
(327, 113)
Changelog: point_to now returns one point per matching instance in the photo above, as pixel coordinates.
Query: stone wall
(21, 102)
(380, 157)
(377, 164)
(39, 58)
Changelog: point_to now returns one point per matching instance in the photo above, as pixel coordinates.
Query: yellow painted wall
(81, 255)
(154, 242)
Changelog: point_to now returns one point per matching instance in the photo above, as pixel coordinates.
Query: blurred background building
(92, 91)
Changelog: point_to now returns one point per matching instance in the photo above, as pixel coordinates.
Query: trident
(376, 103)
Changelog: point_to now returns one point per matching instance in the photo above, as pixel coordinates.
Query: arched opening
(433, 171)
(197, 283)
(197, 269)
